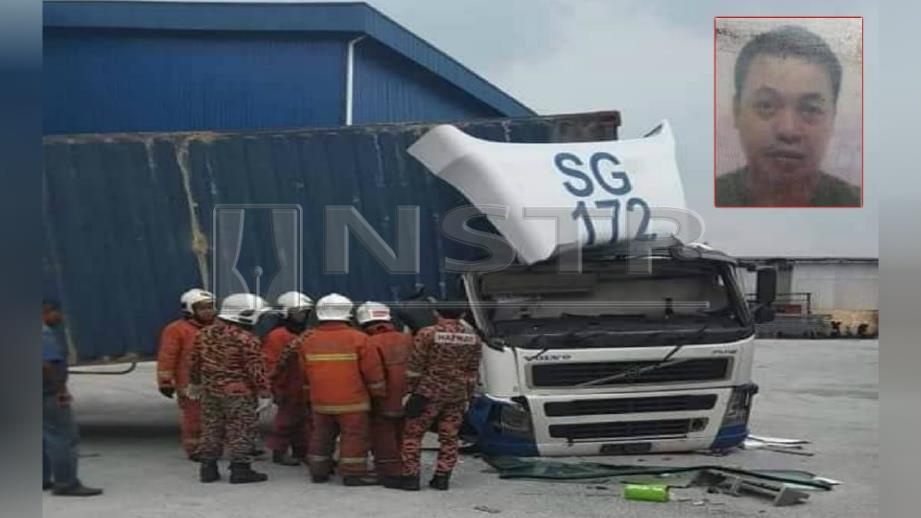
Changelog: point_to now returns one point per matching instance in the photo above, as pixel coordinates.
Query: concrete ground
(822, 391)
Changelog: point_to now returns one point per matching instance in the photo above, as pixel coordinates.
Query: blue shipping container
(128, 217)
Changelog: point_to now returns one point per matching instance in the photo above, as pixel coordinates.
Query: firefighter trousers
(228, 424)
(189, 424)
(447, 417)
(353, 443)
(291, 427)
(386, 436)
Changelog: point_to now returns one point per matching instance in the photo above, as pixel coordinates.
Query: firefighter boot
(208, 472)
(440, 481)
(242, 473)
(281, 457)
(392, 482)
(410, 483)
(299, 454)
(360, 480)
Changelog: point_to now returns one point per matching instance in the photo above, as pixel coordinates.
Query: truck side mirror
(767, 287)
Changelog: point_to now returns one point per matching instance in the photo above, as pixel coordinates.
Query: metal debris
(487, 509)
(782, 494)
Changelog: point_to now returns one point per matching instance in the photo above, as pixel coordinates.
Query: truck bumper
(610, 424)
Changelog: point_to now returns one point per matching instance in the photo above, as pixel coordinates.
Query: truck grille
(569, 374)
(620, 429)
(630, 405)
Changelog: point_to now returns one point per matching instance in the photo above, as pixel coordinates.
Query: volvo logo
(550, 357)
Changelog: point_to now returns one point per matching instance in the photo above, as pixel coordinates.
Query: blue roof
(358, 18)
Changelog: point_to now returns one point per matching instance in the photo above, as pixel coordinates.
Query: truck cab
(634, 353)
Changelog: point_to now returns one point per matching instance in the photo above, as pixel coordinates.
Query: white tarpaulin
(601, 192)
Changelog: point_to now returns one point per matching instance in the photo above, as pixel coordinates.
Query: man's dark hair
(447, 309)
(452, 313)
(50, 305)
(788, 41)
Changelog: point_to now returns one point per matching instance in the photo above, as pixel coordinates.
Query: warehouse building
(171, 66)
(826, 296)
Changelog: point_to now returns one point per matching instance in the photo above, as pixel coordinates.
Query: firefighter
(343, 372)
(387, 416)
(228, 375)
(440, 378)
(290, 426)
(173, 356)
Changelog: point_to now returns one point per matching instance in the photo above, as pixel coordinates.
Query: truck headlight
(739, 407)
(515, 419)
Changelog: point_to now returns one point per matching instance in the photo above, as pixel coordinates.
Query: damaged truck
(638, 343)
(562, 377)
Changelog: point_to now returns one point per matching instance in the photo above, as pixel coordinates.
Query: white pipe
(350, 79)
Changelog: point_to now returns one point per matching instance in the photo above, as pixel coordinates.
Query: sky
(650, 60)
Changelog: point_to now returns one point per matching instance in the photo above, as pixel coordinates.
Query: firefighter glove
(263, 404)
(193, 392)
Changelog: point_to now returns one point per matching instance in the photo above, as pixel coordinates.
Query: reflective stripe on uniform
(352, 460)
(377, 385)
(331, 357)
(341, 409)
(165, 374)
(413, 374)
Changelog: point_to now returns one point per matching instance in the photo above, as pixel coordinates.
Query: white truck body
(537, 398)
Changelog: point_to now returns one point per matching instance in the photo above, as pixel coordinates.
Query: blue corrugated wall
(391, 88)
(111, 80)
(98, 81)
(119, 229)
(194, 24)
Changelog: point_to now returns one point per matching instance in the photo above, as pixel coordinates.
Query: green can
(646, 492)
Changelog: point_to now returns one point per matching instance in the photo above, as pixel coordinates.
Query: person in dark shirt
(787, 82)
(59, 430)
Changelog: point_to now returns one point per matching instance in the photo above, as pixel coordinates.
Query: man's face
(300, 316)
(784, 115)
(204, 311)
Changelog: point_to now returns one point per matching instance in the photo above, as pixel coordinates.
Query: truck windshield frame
(550, 314)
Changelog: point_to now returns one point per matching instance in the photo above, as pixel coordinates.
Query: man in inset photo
(787, 83)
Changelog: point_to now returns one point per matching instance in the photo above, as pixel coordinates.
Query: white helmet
(372, 312)
(293, 301)
(334, 307)
(194, 296)
(243, 308)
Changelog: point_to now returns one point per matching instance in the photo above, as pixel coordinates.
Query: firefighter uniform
(387, 417)
(342, 372)
(440, 377)
(292, 417)
(173, 359)
(228, 367)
